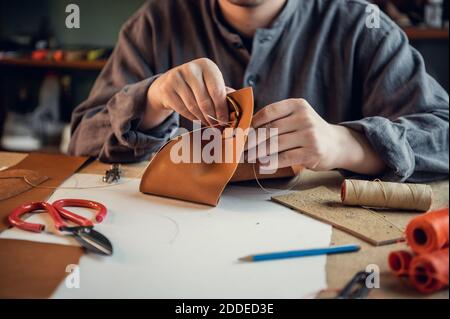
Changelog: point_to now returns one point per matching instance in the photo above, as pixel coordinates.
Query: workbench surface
(340, 268)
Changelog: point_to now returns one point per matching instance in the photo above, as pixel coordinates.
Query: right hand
(194, 90)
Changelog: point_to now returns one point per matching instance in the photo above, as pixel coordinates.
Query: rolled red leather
(429, 273)
(399, 262)
(429, 232)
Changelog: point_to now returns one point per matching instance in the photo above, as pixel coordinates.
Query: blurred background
(46, 70)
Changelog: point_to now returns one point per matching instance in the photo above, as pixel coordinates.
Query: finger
(175, 103)
(298, 156)
(289, 158)
(258, 136)
(296, 122)
(272, 113)
(279, 127)
(278, 144)
(205, 105)
(230, 90)
(185, 92)
(288, 124)
(215, 85)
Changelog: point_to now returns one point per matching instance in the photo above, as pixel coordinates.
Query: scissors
(356, 288)
(84, 233)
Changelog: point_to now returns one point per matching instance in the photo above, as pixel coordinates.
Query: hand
(195, 90)
(304, 138)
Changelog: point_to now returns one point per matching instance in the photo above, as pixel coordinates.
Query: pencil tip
(246, 259)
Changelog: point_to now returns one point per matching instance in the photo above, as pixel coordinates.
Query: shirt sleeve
(106, 125)
(405, 111)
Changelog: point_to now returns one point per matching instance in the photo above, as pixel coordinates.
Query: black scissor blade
(356, 288)
(92, 240)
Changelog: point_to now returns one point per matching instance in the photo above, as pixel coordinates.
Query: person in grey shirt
(344, 93)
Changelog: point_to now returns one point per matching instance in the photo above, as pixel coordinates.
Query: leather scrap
(56, 167)
(246, 172)
(12, 182)
(33, 270)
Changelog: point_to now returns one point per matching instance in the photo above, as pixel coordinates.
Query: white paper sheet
(166, 248)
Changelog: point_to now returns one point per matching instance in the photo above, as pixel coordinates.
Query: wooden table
(340, 268)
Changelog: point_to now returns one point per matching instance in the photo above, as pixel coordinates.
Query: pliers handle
(15, 217)
(62, 203)
(57, 212)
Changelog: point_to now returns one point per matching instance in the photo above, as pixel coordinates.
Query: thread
(386, 195)
(429, 232)
(295, 181)
(72, 188)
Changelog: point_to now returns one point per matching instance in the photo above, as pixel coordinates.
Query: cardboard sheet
(166, 248)
(324, 205)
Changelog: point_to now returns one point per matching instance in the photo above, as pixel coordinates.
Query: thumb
(229, 90)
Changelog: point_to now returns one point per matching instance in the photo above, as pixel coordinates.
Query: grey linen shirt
(368, 79)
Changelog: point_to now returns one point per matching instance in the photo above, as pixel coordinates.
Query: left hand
(305, 139)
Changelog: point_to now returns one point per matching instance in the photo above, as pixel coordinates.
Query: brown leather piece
(55, 166)
(12, 182)
(246, 172)
(33, 270)
(203, 182)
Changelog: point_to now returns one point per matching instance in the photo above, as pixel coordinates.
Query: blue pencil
(302, 253)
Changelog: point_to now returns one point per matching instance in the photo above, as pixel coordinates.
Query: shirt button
(252, 80)
(238, 45)
(266, 39)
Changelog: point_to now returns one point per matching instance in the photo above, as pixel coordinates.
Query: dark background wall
(436, 55)
(100, 19)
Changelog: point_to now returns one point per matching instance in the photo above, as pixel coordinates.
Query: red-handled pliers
(62, 203)
(84, 233)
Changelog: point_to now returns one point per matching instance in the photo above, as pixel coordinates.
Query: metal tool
(356, 287)
(113, 175)
(236, 111)
(84, 232)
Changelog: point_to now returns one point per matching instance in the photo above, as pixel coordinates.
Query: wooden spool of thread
(386, 195)
(429, 273)
(429, 232)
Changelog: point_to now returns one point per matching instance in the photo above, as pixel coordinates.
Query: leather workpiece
(201, 182)
(47, 171)
(14, 182)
